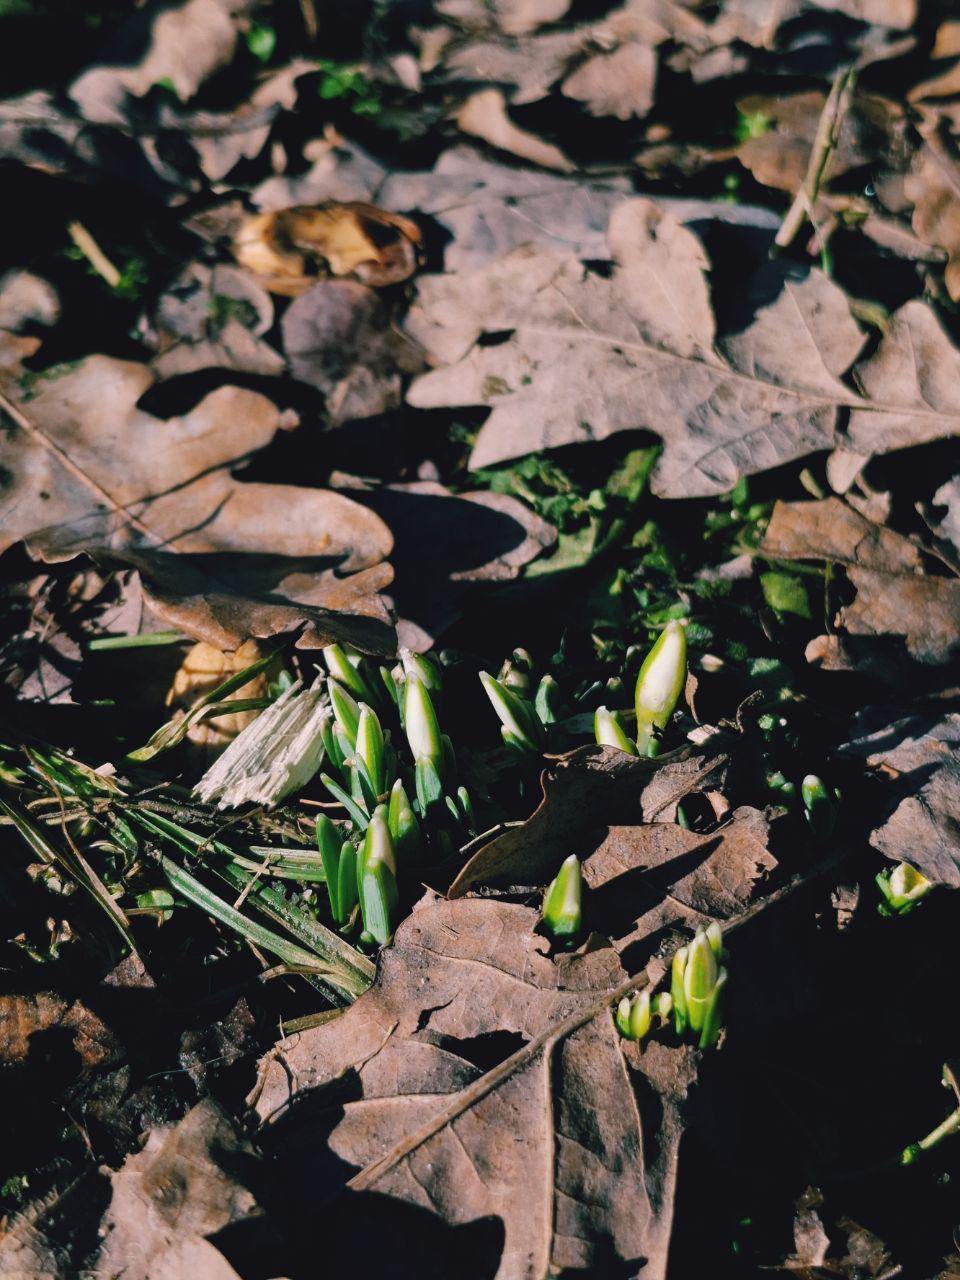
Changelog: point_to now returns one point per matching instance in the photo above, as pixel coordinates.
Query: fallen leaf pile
(464, 325)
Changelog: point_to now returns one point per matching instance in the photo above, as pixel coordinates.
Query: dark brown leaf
(583, 793)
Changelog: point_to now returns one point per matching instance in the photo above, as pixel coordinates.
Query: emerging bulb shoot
(563, 902)
(659, 685)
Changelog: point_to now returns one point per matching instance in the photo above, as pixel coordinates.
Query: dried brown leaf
(166, 1198)
(621, 84)
(185, 45)
(25, 1019)
(87, 470)
(550, 1141)
(583, 793)
(484, 115)
(934, 188)
(589, 356)
(915, 757)
(289, 248)
(895, 596)
(339, 339)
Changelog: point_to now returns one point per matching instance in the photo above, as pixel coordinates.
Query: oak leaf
(87, 470)
(588, 355)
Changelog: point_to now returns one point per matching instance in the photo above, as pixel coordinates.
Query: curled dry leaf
(87, 470)
(895, 596)
(915, 758)
(202, 669)
(289, 248)
(582, 1182)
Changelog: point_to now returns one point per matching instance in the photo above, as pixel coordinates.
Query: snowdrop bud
(562, 903)
(420, 723)
(370, 748)
(377, 873)
(660, 683)
(418, 666)
(819, 806)
(547, 701)
(346, 710)
(902, 888)
(343, 666)
(609, 732)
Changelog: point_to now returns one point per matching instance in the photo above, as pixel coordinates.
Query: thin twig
(101, 264)
(824, 144)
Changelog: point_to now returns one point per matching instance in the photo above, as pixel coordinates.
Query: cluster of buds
(635, 1014)
(902, 887)
(400, 801)
(523, 719)
(660, 682)
(698, 981)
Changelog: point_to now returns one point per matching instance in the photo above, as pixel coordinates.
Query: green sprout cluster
(403, 800)
(524, 713)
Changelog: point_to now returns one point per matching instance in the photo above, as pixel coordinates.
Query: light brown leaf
(912, 382)
(212, 317)
(89, 471)
(338, 338)
(589, 356)
(512, 17)
(166, 1198)
(186, 45)
(934, 188)
(895, 597)
(621, 84)
(484, 115)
